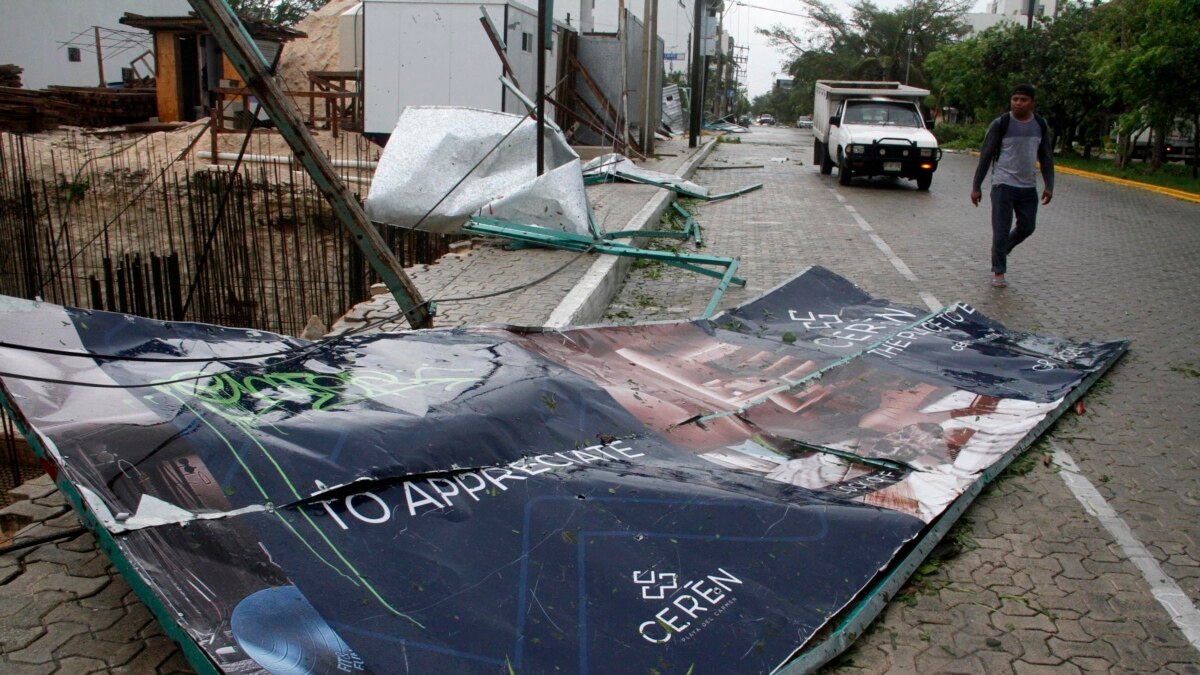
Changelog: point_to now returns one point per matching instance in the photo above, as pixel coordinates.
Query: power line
(768, 9)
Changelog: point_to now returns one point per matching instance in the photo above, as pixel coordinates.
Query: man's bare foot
(999, 282)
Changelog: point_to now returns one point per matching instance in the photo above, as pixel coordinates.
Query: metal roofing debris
(612, 167)
(672, 108)
(443, 165)
(718, 267)
(729, 127)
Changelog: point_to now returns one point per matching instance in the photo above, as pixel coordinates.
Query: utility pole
(544, 26)
(650, 67)
(99, 57)
(240, 49)
(912, 11)
(698, 63)
(719, 55)
(740, 58)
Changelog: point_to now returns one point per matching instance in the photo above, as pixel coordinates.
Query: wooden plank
(166, 60)
(598, 93)
(228, 71)
(497, 44)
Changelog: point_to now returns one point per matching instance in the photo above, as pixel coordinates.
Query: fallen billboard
(699, 496)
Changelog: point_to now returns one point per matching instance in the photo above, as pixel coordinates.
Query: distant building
(190, 63)
(55, 40)
(1010, 11)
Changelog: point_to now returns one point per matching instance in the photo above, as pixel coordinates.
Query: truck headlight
(927, 152)
(857, 150)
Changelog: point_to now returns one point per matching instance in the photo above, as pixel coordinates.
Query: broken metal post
(237, 45)
(498, 44)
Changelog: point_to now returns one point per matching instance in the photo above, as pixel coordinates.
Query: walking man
(1015, 142)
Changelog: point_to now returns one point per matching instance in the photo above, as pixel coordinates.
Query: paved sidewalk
(575, 295)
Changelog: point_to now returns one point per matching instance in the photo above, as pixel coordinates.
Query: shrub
(960, 136)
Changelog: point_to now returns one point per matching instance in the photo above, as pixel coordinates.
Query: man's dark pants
(1008, 201)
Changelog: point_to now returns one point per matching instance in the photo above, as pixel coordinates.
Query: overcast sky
(765, 63)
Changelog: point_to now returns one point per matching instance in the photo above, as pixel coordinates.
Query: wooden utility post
(99, 57)
(240, 49)
(650, 65)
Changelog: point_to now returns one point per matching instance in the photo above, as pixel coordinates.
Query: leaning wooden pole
(249, 61)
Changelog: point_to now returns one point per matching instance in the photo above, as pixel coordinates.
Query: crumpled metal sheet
(605, 499)
(729, 127)
(617, 166)
(433, 148)
(672, 108)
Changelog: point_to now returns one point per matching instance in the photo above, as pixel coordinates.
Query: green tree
(285, 12)
(1144, 60)
(977, 74)
(872, 44)
(1068, 95)
(781, 102)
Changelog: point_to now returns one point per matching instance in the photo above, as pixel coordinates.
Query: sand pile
(63, 151)
(319, 51)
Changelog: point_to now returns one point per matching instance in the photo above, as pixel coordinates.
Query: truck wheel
(817, 153)
(924, 181)
(826, 163)
(843, 171)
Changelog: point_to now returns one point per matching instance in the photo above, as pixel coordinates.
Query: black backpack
(1006, 119)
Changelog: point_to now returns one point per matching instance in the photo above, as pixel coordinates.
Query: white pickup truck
(873, 129)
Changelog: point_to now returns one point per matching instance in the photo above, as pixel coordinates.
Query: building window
(73, 55)
(526, 42)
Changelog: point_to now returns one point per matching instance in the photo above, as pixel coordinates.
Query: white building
(54, 41)
(1010, 11)
(674, 23)
(435, 52)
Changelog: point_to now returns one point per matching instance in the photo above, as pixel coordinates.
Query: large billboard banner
(705, 496)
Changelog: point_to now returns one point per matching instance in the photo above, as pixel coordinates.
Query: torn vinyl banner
(443, 165)
(704, 496)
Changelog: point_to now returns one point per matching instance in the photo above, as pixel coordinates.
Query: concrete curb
(1169, 192)
(586, 302)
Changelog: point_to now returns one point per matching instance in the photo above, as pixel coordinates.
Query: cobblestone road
(1041, 584)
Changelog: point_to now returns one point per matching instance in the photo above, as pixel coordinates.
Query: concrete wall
(601, 56)
(31, 32)
(674, 22)
(437, 53)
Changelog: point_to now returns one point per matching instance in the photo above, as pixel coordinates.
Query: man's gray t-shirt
(1017, 163)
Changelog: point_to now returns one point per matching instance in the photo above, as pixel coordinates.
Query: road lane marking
(1162, 587)
(904, 270)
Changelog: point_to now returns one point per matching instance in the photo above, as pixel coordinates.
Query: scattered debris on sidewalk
(611, 167)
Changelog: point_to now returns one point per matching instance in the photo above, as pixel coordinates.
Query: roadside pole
(237, 45)
(698, 63)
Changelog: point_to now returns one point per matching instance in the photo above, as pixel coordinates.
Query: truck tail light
(927, 165)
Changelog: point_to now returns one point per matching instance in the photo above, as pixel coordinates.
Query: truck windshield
(881, 113)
